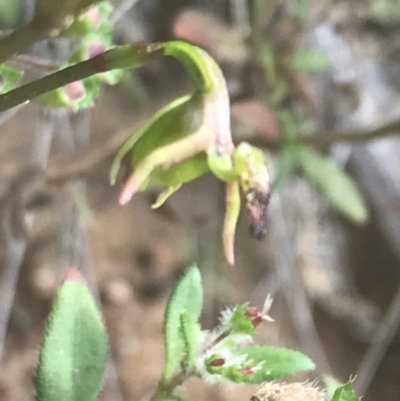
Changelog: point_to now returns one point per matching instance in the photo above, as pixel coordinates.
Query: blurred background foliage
(315, 83)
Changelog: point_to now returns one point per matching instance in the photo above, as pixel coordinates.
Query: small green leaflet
(187, 300)
(275, 363)
(9, 78)
(335, 184)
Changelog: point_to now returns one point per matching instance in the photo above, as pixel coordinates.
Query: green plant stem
(119, 57)
(166, 388)
(204, 70)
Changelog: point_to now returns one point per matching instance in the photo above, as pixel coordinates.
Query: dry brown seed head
(288, 392)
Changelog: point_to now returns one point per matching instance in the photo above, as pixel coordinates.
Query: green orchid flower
(190, 137)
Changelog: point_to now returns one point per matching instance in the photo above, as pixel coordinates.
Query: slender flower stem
(119, 57)
(166, 387)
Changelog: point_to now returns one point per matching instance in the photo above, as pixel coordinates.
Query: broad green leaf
(73, 353)
(190, 330)
(187, 297)
(308, 60)
(345, 393)
(337, 186)
(275, 363)
(9, 78)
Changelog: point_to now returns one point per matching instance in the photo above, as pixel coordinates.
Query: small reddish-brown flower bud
(246, 370)
(251, 312)
(217, 362)
(255, 314)
(257, 321)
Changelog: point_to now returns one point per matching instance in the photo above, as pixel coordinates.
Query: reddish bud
(74, 90)
(217, 362)
(246, 370)
(251, 312)
(255, 314)
(95, 48)
(257, 321)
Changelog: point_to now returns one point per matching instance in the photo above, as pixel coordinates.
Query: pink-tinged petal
(129, 189)
(231, 218)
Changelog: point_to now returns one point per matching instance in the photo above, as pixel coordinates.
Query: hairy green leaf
(73, 353)
(190, 330)
(273, 363)
(338, 187)
(186, 298)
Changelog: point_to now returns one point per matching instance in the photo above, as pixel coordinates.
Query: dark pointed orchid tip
(73, 274)
(258, 230)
